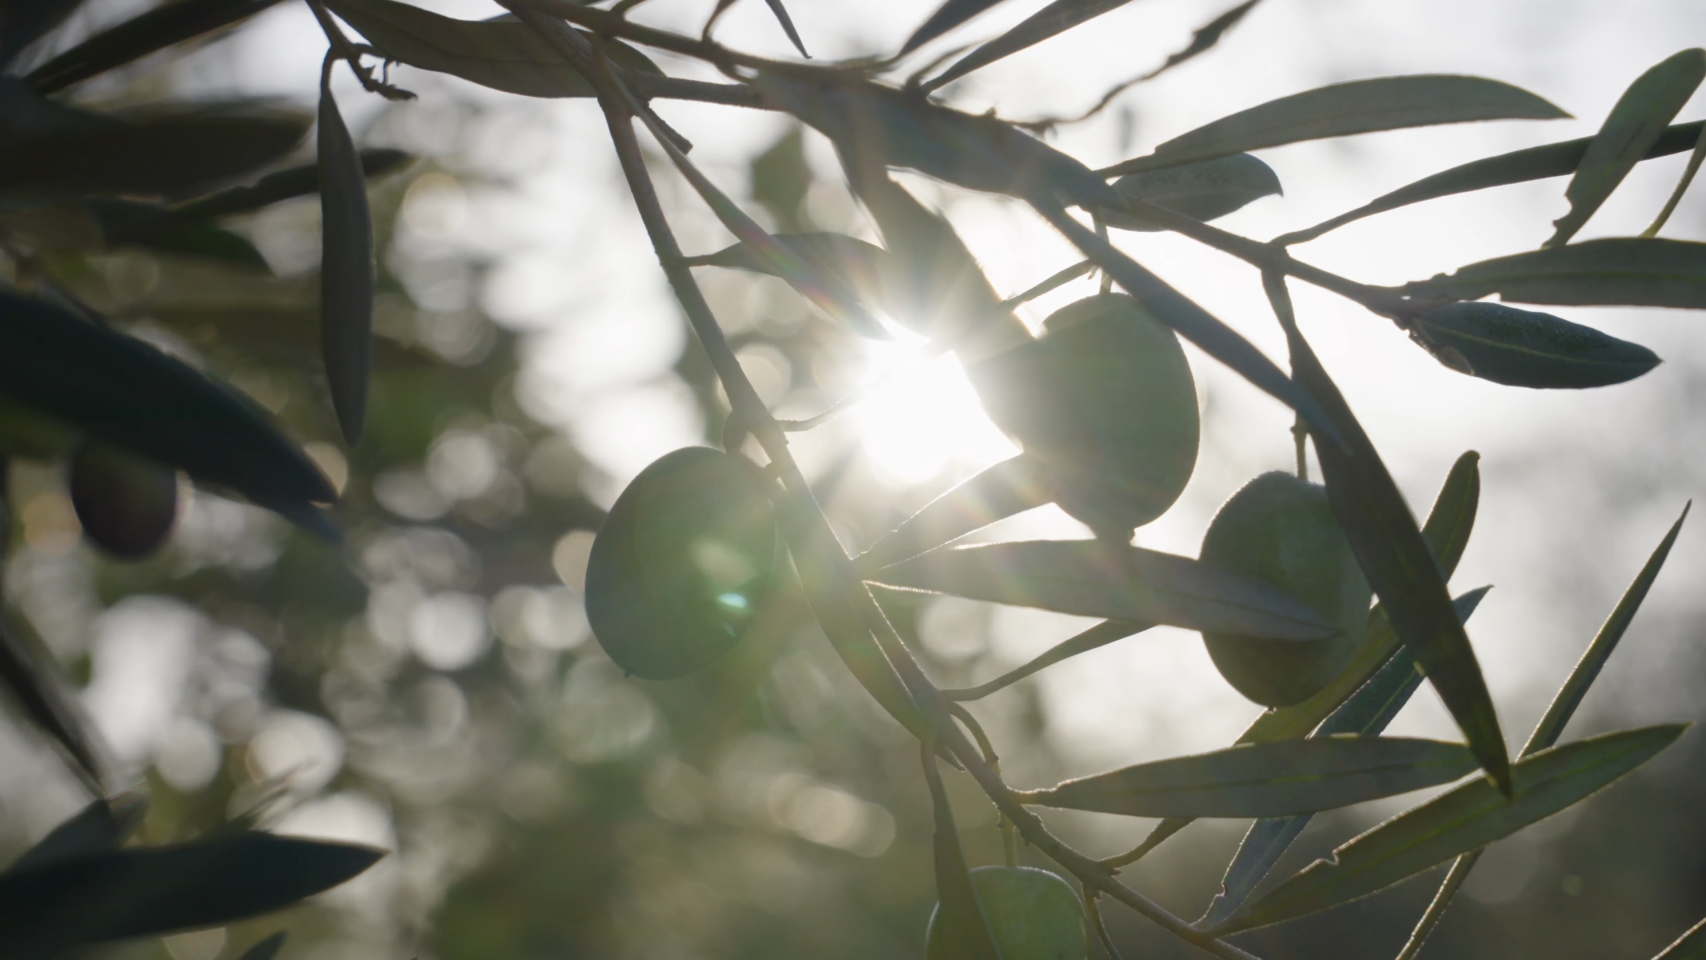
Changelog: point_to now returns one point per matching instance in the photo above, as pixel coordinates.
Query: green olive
(1106, 403)
(682, 563)
(1033, 914)
(126, 503)
(1281, 529)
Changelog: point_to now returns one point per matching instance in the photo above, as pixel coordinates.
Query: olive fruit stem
(1300, 436)
(1094, 911)
(810, 537)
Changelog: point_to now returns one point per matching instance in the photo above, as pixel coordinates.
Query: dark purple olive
(126, 503)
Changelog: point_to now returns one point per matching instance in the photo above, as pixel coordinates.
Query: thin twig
(350, 53)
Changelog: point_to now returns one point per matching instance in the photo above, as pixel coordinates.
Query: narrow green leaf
(787, 23)
(965, 930)
(1190, 320)
(1056, 18)
(1399, 563)
(55, 151)
(1203, 191)
(282, 185)
(504, 54)
(137, 891)
(1266, 779)
(1093, 638)
(1463, 819)
(125, 391)
(1629, 131)
(1523, 348)
(1557, 716)
(1518, 166)
(99, 827)
(346, 270)
(1342, 109)
(1619, 271)
(814, 280)
(864, 270)
(949, 15)
(266, 949)
(140, 36)
(131, 223)
(900, 129)
(1689, 946)
(995, 493)
(1681, 185)
(37, 693)
(1095, 578)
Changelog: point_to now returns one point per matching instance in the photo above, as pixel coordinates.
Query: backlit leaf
(131, 223)
(1462, 819)
(504, 54)
(38, 694)
(1399, 563)
(1202, 191)
(1342, 109)
(1629, 131)
(346, 270)
(1518, 166)
(965, 932)
(901, 129)
(127, 392)
(787, 23)
(140, 36)
(1266, 779)
(1095, 578)
(865, 270)
(99, 827)
(1056, 18)
(281, 185)
(22, 22)
(1523, 348)
(142, 891)
(1093, 638)
(1007, 488)
(1619, 271)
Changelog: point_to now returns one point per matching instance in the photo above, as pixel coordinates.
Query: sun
(921, 417)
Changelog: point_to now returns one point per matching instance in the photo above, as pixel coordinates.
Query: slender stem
(1436, 910)
(1058, 279)
(1300, 435)
(1094, 909)
(350, 53)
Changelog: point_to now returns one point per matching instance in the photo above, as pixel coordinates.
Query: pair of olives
(1032, 914)
(127, 504)
(682, 564)
(1105, 403)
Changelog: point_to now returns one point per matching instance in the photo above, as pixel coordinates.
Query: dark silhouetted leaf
(1205, 37)
(1342, 109)
(787, 23)
(1266, 779)
(1518, 166)
(99, 827)
(1629, 131)
(38, 694)
(1202, 191)
(126, 392)
(1463, 819)
(1093, 638)
(948, 16)
(965, 932)
(283, 185)
(1522, 348)
(55, 151)
(130, 223)
(346, 270)
(1095, 578)
(1399, 563)
(1689, 946)
(1681, 184)
(140, 36)
(900, 129)
(142, 891)
(1058, 17)
(266, 949)
(1007, 488)
(504, 54)
(22, 22)
(1620, 271)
